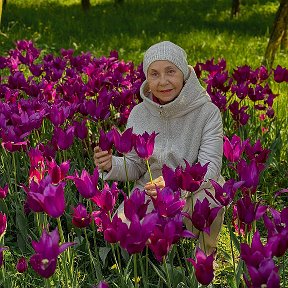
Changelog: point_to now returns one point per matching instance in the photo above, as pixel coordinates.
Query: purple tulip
(224, 195)
(63, 139)
(255, 254)
(168, 203)
(3, 224)
(86, 184)
(136, 204)
(234, 148)
(123, 142)
(172, 178)
(280, 74)
(22, 265)
(203, 265)
(257, 152)
(113, 230)
(203, 216)
(239, 114)
(80, 217)
(80, 129)
(106, 139)
(4, 191)
(191, 177)
(250, 174)
(1, 254)
(102, 284)
(248, 211)
(144, 144)
(44, 260)
(138, 233)
(107, 197)
(51, 199)
(167, 232)
(265, 275)
(58, 172)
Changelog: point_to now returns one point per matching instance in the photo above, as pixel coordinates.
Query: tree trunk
(284, 40)
(85, 4)
(1, 10)
(235, 10)
(278, 33)
(119, 1)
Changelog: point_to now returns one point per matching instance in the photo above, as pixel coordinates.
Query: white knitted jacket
(189, 127)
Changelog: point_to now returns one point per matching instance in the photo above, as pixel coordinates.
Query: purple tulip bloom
(80, 217)
(51, 199)
(172, 178)
(234, 148)
(203, 265)
(239, 114)
(58, 172)
(107, 197)
(63, 139)
(224, 195)
(168, 203)
(3, 224)
(22, 265)
(248, 211)
(144, 144)
(257, 152)
(113, 230)
(80, 129)
(44, 260)
(250, 174)
(255, 254)
(4, 191)
(167, 232)
(280, 74)
(1, 254)
(203, 216)
(106, 139)
(102, 284)
(86, 184)
(138, 233)
(265, 275)
(191, 177)
(123, 142)
(136, 204)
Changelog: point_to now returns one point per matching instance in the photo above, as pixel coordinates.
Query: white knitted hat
(166, 50)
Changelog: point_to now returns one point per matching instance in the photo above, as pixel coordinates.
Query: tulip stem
(149, 170)
(231, 246)
(63, 260)
(283, 271)
(167, 272)
(135, 270)
(90, 254)
(127, 179)
(47, 283)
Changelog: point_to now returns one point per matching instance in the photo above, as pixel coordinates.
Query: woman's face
(165, 80)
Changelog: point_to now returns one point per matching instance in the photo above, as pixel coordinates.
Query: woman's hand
(103, 159)
(150, 188)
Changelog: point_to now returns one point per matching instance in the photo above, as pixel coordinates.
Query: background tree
(278, 36)
(85, 4)
(235, 9)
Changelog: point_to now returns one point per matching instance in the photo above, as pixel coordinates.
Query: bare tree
(235, 9)
(278, 36)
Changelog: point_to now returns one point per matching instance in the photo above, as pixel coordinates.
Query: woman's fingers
(102, 159)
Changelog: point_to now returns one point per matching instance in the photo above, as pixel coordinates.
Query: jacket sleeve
(211, 147)
(135, 166)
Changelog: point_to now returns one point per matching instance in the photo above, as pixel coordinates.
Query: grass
(203, 28)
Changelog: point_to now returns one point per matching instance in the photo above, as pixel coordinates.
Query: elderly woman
(189, 127)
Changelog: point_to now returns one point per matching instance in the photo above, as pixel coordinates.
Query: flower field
(58, 226)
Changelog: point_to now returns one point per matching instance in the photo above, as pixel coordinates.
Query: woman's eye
(171, 71)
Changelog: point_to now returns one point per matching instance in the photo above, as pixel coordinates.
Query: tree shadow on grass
(56, 26)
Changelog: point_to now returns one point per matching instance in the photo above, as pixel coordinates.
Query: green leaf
(159, 272)
(103, 253)
(236, 241)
